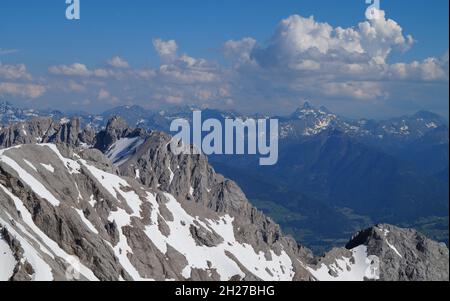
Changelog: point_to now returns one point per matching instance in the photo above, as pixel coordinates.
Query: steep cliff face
(130, 209)
(45, 130)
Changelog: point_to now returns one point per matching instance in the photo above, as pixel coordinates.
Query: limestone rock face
(43, 130)
(407, 254)
(120, 205)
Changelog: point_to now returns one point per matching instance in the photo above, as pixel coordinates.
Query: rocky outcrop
(45, 130)
(115, 130)
(407, 255)
(386, 253)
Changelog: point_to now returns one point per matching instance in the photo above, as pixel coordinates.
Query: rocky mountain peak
(412, 256)
(116, 123)
(116, 129)
(427, 115)
(4, 106)
(307, 106)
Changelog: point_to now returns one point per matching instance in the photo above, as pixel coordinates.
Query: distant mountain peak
(126, 108)
(6, 105)
(426, 115)
(325, 109)
(303, 109)
(116, 122)
(4, 102)
(307, 106)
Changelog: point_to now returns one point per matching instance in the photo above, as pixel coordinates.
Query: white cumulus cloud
(167, 50)
(14, 72)
(31, 91)
(118, 62)
(76, 69)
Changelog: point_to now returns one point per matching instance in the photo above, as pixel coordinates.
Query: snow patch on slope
(49, 167)
(392, 247)
(7, 261)
(171, 174)
(198, 257)
(119, 152)
(42, 271)
(30, 164)
(44, 239)
(122, 249)
(346, 269)
(72, 166)
(92, 201)
(86, 221)
(28, 179)
(115, 186)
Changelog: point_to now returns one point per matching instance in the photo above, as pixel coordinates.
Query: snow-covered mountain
(11, 114)
(355, 172)
(306, 121)
(309, 121)
(66, 211)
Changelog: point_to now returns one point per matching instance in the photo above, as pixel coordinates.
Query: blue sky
(37, 35)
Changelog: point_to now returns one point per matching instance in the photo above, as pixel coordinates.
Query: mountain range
(353, 172)
(117, 204)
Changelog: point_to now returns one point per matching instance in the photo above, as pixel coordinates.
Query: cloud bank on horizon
(348, 69)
